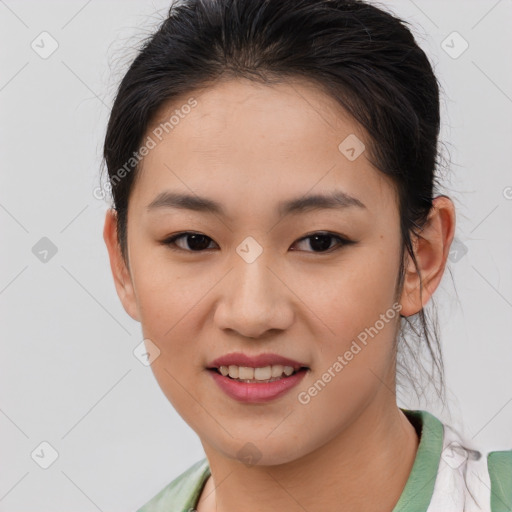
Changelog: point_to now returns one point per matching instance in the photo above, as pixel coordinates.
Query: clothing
(436, 482)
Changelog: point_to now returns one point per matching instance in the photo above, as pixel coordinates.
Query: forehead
(246, 141)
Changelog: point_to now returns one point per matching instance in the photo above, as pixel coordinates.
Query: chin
(262, 452)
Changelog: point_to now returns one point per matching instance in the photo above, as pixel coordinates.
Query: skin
(250, 146)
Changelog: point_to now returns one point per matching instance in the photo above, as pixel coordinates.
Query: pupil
(203, 242)
(321, 244)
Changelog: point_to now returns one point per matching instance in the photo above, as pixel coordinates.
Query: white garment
(463, 482)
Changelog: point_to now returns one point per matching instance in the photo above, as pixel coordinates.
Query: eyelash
(342, 241)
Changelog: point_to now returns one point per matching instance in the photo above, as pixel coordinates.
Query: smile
(261, 374)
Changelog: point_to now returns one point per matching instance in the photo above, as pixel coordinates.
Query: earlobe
(431, 250)
(120, 272)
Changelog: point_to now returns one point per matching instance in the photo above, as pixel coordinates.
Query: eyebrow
(337, 199)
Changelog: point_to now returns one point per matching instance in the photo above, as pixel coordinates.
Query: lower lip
(257, 392)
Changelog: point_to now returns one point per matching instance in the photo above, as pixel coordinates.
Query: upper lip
(259, 361)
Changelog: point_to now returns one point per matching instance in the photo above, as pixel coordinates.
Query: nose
(255, 300)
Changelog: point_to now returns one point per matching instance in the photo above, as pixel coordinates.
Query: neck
(364, 468)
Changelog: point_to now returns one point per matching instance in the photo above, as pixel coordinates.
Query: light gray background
(68, 375)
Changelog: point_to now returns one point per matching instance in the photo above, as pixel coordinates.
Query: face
(315, 284)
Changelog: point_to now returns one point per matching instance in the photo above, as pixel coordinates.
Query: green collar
(182, 494)
(419, 487)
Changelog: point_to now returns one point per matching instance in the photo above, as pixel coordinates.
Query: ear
(120, 272)
(431, 250)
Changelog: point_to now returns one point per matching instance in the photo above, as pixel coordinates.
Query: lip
(256, 392)
(259, 361)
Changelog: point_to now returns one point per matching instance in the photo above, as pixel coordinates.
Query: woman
(275, 227)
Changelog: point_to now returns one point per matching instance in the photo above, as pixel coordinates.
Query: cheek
(354, 355)
(168, 313)
(170, 306)
(166, 292)
(352, 294)
(359, 317)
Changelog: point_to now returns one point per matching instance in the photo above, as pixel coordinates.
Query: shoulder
(452, 473)
(500, 474)
(182, 493)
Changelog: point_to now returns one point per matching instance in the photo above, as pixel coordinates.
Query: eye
(197, 242)
(321, 241)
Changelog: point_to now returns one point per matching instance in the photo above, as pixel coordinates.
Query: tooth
(288, 370)
(246, 373)
(277, 370)
(263, 373)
